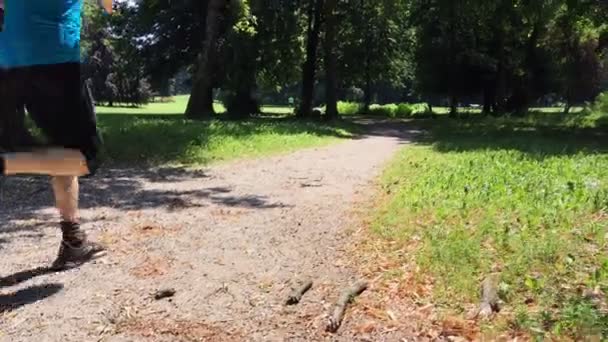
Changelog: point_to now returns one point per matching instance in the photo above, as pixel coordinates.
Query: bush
(164, 99)
(383, 110)
(349, 108)
(392, 110)
(404, 110)
(601, 103)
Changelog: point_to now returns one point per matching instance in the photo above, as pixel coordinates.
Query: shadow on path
(20, 277)
(401, 129)
(123, 188)
(29, 295)
(138, 187)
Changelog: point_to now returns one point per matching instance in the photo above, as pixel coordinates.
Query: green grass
(481, 196)
(158, 133)
(178, 106)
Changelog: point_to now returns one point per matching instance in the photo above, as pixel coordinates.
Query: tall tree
(172, 34)
(241, 62)
(444, 40)
(280, 28)
(576, 39)
(315, 8)
(375, 40)
(329, 43)
(200, 103)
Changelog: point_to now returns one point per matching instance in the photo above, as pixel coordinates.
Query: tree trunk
(453, 106)
(500, 83)
(520, 100)
(310, 65)
(368, 94)
(453, 79)
(568, 106)
(488, 98)
(165, 87)
(242, 103)
(368, 74)
(330, 60)
(200, 104)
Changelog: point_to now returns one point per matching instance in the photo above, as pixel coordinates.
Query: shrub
(601, 103)
(421, 108)
(164, 99)
(392, 110)
(404, 110)
(383, 110)
(349, 108)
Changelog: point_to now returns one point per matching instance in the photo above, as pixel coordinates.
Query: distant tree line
(505, 55)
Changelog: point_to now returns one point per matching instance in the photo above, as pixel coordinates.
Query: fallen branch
(296, 296)
(345, 298)
(489, 296)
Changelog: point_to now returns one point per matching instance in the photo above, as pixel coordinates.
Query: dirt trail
(230, 240)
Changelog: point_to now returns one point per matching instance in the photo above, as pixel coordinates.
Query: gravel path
(230, 240)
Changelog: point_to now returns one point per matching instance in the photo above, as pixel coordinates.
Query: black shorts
(57, 100)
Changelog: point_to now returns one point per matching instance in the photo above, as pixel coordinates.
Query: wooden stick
(51, 161)
(489, 296)
(296, 296)
(347, 296)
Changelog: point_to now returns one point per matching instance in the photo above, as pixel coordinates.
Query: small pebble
(166, 293)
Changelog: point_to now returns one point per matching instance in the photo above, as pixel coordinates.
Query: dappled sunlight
(169, 138)
(520, 199)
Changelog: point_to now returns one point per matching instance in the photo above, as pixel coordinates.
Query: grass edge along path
(177, 141)
(530, 205)
(157, 134)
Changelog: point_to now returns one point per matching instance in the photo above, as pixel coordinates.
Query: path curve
(230, 240)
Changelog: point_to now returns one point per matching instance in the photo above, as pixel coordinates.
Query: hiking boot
(70, 256)
(75, 249)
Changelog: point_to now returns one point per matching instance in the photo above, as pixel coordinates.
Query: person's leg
(75, 247)
(66, 191)
(60, 107)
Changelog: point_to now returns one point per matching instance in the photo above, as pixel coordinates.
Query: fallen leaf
(366, 327)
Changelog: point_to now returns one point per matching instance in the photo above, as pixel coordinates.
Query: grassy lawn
(158, 133)
(178, 106)
(485, 196)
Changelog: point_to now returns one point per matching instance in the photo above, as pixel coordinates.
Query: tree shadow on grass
(536, 140)
(274, 123)
(401, 129)
(160, 138)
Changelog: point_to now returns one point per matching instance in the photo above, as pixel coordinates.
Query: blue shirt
(40, 32)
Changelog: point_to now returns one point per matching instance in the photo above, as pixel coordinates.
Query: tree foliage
(113, 56)
(506, 54)
(512, 54)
